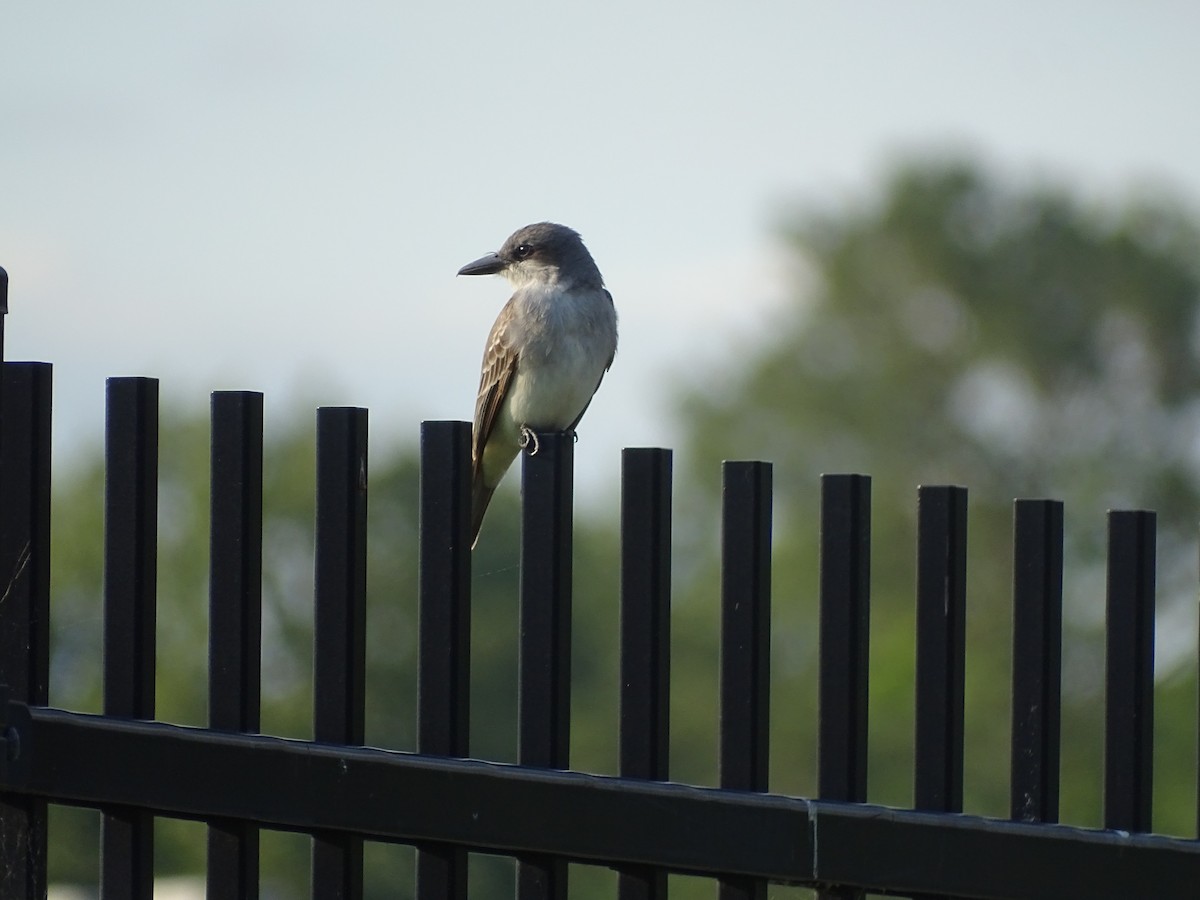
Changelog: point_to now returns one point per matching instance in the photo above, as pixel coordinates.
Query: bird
(546, 354)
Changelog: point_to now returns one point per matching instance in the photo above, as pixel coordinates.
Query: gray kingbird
(546, 353)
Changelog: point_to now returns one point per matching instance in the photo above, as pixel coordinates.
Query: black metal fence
(342, 793)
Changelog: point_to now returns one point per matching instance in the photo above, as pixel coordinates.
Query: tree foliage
(960, 328)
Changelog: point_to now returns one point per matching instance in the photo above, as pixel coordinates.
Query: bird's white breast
(569, 339)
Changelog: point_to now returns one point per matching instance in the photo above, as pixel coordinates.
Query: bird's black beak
(485, 265)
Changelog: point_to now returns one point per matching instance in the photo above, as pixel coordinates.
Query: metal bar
(745, 640)
(130, 573)
(444, 641)
(745, 625)
(845, 595)
(545, 588)
(403, 797)
(235, 615)
(25, 531)
(130, 546)
(340, 618)
(645, 613)
(924, 854)
(941, 646)
(183, 772)
(24, 597)
(1037, 659)
(1129, 683)
(445, 590)
(544, 681)
(845, 636)
(645, 636)
(3, 310)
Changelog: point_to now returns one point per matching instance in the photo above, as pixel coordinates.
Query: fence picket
(845, 588)
(941, 646)
(444, 647)
(1129, 681)
(340, 623)
(544, 681)
(235, 616)
(1037, 659)
(645, 637)
(130, 571)
(24, 599)
(745, 640)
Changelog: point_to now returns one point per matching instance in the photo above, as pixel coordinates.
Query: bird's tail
(481, 496)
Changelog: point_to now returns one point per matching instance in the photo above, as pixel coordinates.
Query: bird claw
(528, 435)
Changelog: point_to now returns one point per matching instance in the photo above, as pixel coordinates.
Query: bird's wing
(499, 366)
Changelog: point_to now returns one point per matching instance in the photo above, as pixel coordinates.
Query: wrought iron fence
(342, 793)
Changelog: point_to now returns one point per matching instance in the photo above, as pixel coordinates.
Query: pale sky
(276, 195)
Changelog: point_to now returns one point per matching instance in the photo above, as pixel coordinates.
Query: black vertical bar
(340, 619)
(444, 653)
(25, 534)
(24, 599)
(845, 635)
(941, 646)
(745, 640)
(544, 683)
(3, 311)
(130, 572)
(3, 316)
(845, 595)
(1129, 683)
(645, 636)
(235, 615)
(1037, 659)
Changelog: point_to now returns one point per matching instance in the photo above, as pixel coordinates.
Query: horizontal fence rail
(538, 812)
(197, 773)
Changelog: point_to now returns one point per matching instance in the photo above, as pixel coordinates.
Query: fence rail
(198, 774)
(133, 769)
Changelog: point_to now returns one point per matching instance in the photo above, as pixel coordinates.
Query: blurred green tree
(960, 328)
(956, 328)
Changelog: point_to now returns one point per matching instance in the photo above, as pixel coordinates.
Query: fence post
(845, 595)
(544, 683)
(340, 622)
(444, 628)
(3, 310)
(941, 646)
(24, 598)
(235, 617)
(745, 641)
(645, 636)
(130, 571)
(1037, 659)
(1129, 661)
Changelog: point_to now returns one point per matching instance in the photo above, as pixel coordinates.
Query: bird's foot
(528, 436)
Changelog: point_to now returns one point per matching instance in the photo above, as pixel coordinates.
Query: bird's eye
(523, 251)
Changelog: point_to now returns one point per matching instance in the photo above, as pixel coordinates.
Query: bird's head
(543, 253)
